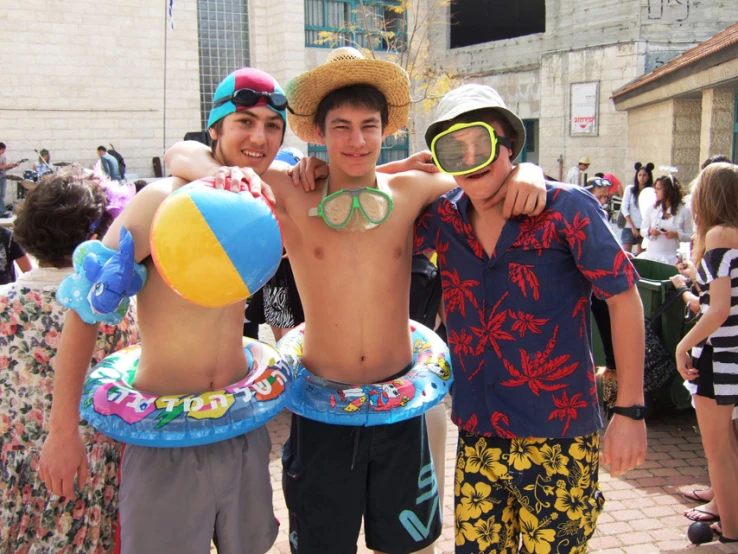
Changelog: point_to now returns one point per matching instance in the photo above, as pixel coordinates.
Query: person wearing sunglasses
(349, 240)
(188, 347)
(517, 312)
(599, 187)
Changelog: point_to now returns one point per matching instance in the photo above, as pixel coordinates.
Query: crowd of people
(521, 261)
(110, 163)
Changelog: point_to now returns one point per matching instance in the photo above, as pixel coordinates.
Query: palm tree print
(543, 225)
(522, 275)
(574, 233)
(540, 372)
(456, 292)
(567, 408)
(491, 330)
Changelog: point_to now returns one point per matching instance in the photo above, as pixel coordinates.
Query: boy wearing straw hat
(353, 275)
(172, 500)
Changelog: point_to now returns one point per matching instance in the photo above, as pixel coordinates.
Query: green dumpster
(655, 288)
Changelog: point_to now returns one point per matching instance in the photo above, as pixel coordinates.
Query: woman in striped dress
(713, 364)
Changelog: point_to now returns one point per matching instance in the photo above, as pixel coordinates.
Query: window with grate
(371, 24)
(223, 42)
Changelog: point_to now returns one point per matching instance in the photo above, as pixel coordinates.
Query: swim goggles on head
(336, 209)
(597, 183)
(467, 147)
(248, 97)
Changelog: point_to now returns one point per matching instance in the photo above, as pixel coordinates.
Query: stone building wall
(77, 75)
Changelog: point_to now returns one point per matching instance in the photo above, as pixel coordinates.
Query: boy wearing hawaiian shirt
(517, 296)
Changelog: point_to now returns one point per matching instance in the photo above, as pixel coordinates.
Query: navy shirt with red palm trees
(518, 321)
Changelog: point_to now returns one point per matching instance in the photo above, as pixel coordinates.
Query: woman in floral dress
(66, 209)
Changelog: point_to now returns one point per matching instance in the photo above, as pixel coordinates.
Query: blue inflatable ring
(115, 408)
(421, 388)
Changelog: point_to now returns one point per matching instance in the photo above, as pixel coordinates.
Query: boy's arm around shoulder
(424, 187)
(190, 160)
(523, 192)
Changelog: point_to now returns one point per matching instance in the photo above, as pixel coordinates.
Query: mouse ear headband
(648, 167)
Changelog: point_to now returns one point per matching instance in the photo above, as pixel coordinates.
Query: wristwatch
(633, 412)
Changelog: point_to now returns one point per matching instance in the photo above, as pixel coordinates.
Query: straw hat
(345, 67)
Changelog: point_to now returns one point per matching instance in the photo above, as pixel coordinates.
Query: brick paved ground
(643, 512)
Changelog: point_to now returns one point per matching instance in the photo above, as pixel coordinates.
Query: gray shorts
(172, 500)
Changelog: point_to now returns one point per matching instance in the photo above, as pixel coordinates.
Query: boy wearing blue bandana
(172, 500)
(350, 244)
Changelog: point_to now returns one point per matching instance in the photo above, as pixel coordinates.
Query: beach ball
(215, 247)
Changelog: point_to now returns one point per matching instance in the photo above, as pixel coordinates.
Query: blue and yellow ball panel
(215, 247)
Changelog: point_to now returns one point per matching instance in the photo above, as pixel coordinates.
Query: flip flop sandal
(724, 539)
(707, 518)
(695, 497)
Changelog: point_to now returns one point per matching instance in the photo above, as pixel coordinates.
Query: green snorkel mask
(338, 208)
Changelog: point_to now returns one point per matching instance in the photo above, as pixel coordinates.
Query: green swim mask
(337, 209)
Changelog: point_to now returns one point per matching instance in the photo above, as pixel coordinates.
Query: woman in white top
(631, 235)
(668, 223)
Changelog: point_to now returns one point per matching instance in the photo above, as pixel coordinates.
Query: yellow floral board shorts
(543, 491)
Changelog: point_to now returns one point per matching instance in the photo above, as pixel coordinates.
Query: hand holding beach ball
(215, 247)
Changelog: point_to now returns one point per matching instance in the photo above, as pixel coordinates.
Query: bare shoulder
(276, 175)
(281, 183)
(721, 236)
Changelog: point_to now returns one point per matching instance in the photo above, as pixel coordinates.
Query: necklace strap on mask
(313, 212)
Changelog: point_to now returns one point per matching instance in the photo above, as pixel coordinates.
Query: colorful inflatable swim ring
(114, 407)
(410, 395)
(215, 247)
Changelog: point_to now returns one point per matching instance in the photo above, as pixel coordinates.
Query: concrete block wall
(278, 43)
(609, 41)
(685, 153)
(718, 115)
(667, 134)
(651, 134)
(77, 75)
(572, 24)
(612, 66)
(684, 20)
